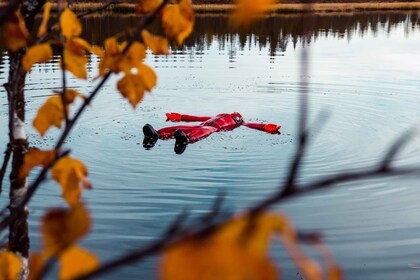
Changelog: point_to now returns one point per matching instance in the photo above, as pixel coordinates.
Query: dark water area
(363, 73)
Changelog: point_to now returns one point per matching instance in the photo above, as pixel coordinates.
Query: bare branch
(6, 159)
(397, 146)
(31, 191)
(41, 176)
(64, 86)
(98, 9)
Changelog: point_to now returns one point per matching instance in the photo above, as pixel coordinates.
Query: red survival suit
(220, 122)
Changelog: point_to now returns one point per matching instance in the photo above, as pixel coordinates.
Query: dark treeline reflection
(274, 32)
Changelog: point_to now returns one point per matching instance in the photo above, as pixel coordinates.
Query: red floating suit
(185, 134)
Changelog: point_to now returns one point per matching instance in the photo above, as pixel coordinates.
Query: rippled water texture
(363, 74)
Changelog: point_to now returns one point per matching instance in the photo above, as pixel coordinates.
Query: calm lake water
(363, 71)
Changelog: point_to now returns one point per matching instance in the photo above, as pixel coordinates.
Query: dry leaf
(246, 11)
(10, 266)
(76, 261)
(45, 17)
(132, 87)
(35, 54)
(35, 157)
(75, 58)
(71, 174)
(148, 76)
(61, 228)
(158, 45)
(15, 34)
(132, 58)
(70, 24)
(178, 21)
(51, 113)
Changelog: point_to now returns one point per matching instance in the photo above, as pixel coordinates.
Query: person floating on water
(185, 134)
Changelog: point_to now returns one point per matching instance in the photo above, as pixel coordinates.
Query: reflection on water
(274, 33)
(363, 71)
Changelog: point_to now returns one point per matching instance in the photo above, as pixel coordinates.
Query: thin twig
(41, 176)
(6, 159)
(30, 192)
(64, 86)
(98, 9)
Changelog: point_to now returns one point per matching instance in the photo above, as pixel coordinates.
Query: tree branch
(98, 9)
(6, 159)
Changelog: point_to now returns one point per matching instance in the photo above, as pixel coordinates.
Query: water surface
(363, 72)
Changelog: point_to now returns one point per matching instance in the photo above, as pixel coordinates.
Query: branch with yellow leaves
(68, 128)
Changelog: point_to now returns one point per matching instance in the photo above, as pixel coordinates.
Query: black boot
(150, 136)
(181, 141)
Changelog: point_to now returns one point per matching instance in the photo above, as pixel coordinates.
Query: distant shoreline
(283, 8)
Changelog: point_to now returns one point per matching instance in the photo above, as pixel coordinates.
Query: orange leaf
(62, 228)
(70, 173)
(132, 87)
(148, 76)
(178, 21)
(70, 24)
(257, 232)
(36, 263)
(15, 33)
(113, 60)
(158, 45)
(35, 157)
(76, 261)
(75, 57)
(35, 54)
(49, 114)
(147, 6)
(132, 58)
(246, 11)
(45, 17)
(10, 266)
(209, 260)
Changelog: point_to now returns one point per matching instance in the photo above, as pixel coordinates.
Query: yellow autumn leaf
(75, 58)
(70, 24)
(36, 263)
(258, 231)
(238, 250)
(246, 11)
(148, 76)
(15, 34)
(158, 45)
(71, 174)
(147, 6)
(178, 21)
(35, 54)
(132, 58)
(115, 61)
(45, 17)
(76, 261)
(84, 44)
(35, 157)
(51, 113)
(10, 266)
(132, 87)
(61, 228)
(209, 260)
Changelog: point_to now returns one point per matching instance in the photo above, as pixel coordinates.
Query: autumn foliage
(238, 249)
